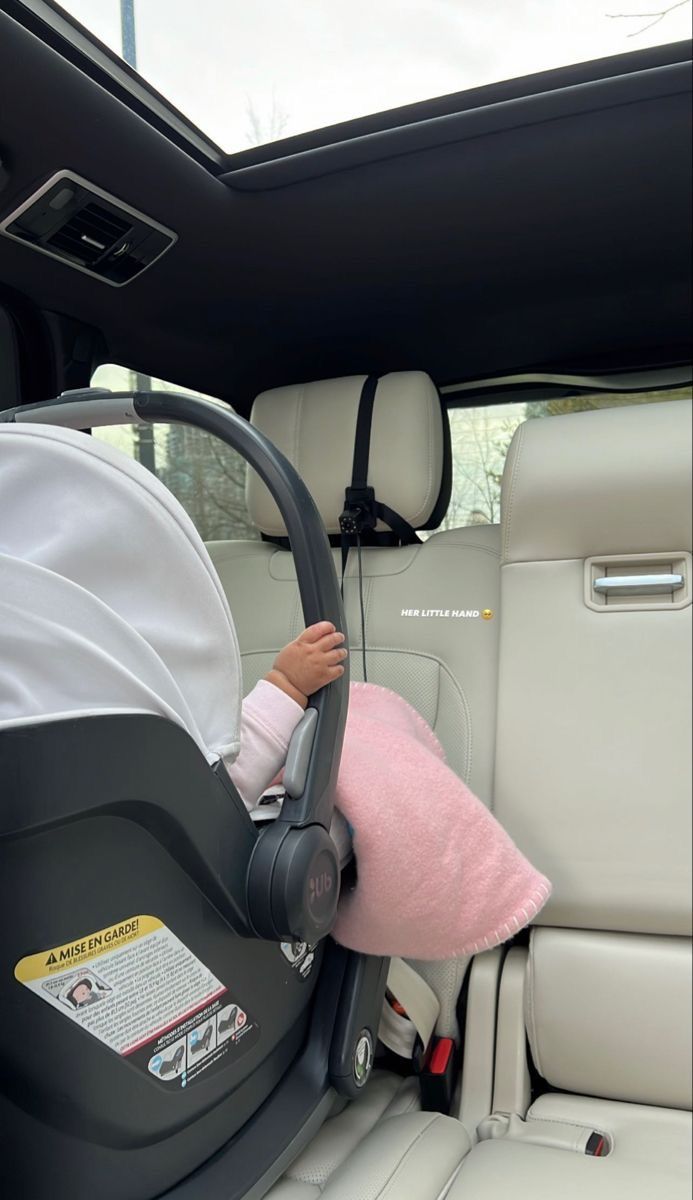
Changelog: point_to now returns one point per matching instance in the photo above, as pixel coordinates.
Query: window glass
(481, 437)
(207, 476)
(258, 70)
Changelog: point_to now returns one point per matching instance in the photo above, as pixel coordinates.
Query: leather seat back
(424, 604)
(593, 755)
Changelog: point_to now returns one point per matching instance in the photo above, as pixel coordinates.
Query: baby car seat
(157, 1038)
(173, 1065)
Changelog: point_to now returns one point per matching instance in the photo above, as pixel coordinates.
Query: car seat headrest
(109, 600)
(314, 425)
(612, 481)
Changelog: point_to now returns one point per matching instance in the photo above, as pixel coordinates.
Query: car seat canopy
(103, 570)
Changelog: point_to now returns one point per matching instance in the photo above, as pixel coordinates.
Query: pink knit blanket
(437, 876)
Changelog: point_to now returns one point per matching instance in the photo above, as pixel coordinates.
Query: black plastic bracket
(358, 1019)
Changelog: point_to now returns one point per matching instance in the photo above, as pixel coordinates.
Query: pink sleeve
(268, 720)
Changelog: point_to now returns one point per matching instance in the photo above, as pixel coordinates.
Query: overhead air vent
(90, 234)
(74, 221)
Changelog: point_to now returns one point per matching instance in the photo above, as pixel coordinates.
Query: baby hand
(309, 663)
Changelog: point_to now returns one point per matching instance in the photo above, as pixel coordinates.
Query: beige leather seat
(425, 634)
(593, 781)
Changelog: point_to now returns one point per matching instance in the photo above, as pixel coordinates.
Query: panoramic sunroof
(248, 73)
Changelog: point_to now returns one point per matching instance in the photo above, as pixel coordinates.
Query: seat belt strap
(362, 508)
(362, 435)
(403, 530)
(399, 1031)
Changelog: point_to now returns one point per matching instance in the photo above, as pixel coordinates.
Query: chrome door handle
(642, 585)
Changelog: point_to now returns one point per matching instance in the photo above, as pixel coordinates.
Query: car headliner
(543, 224)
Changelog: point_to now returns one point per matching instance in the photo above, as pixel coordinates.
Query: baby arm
(275, 706)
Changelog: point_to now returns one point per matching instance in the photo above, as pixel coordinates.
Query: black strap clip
(359, 512)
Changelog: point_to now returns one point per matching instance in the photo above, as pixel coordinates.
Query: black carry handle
(315, 569)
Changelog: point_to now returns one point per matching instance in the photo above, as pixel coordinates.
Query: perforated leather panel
(441, 655)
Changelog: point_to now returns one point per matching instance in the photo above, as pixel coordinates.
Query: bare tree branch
(480, 441)
(658, 16)
(265, 129)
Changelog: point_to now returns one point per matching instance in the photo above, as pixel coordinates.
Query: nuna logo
(452, 614)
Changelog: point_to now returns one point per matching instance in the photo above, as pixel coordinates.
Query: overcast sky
(314, 62)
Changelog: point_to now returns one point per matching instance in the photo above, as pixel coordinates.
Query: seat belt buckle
(437, 1075)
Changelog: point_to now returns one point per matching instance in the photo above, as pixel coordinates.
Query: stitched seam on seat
(468, 748)
(427, 733)
(461, 546)
(412, 1105)
(382, 1194)
(446, 1187)
(456, 687)
(410, 557)
(230, 555)
(429, 471)
(467, 717)
(572, 1124)
(534, 1041)
(460, 692)
(513, 486)
(413, 552)
(304, 1176)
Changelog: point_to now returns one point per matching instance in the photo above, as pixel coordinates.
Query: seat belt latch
(437, 1076)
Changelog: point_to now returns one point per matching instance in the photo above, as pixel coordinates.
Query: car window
(207, 477)
(253, 73)
(481, 437)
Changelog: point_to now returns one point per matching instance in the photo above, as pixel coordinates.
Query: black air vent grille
(89, 233)
(87, 229)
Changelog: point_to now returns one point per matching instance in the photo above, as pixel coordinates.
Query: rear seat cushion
(386, 1096)
(412, 1157)
(651, 1157)
(608, 1014)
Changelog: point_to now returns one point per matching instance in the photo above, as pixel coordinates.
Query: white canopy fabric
(109, 601)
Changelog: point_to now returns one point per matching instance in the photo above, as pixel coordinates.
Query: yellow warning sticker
(126, 984)
(138, 989)
(75, 954)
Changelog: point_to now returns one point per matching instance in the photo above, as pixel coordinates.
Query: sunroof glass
(253, 72)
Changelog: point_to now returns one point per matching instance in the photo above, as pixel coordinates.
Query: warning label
(301, 955)
(138, 989)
